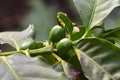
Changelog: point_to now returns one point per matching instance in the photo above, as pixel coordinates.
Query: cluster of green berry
(62, 37)
(57, 38)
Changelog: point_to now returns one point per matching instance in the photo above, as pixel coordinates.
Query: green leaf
(50, 58)
(113, 20)
(20, 67)
(92, 12)
(100, 59)
(112, 35)
(40, 44)
(77, 34)
(15, 38)
(65, 22)
(117, 42)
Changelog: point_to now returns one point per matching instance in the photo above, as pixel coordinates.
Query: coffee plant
(72, 52)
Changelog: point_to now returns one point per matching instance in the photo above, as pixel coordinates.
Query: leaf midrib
(92, 15)
(11, 68)
(97, 65)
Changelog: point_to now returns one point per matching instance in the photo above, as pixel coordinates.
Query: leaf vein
(97, 65)
(11, 68)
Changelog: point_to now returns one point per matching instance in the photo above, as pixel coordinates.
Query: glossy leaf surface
(113, 19)
(15, 38)
(92, 12)
(65, 22)
(100, 59)
(112, 35)
(20, 67)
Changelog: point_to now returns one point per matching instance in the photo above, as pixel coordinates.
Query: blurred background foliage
(18, 14)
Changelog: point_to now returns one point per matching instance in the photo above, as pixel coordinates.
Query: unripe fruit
(56, 34)
(28, 44)
(75, 35)
(64, 45)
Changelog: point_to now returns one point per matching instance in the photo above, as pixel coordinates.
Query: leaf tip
(31, 26)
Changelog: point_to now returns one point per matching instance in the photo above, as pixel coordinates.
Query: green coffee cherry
(56, 34)
(64, 45)
(28, 44)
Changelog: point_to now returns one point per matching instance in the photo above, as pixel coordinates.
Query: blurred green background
(16, 15)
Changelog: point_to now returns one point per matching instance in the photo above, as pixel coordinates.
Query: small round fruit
(28, 44)
(56, 34)
(64, 45)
